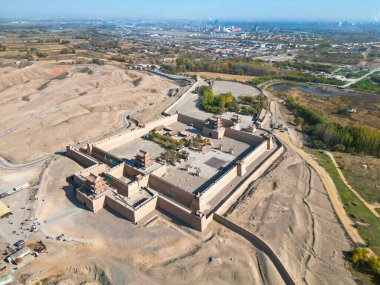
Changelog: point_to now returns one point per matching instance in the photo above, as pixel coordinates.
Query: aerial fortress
(183, 166)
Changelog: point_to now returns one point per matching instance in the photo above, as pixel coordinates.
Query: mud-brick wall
(258, 243)
(146, 208)
(116, 183)
(130, 171)
(122, 209)
(160, 171)
(243, 136)
(127, 136)
(256, 174)
(98, 203)
(117, 171)
(200, 224)
(214, 189)
(80, 157)
(252, 156)
(95, 169)
(179, 194)
(183, 214)
(93, 204)
(78, 181)
(197, 123)
(175, 209)
(100, 154)
(83, 199)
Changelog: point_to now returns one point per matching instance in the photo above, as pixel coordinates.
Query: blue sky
(195, 9)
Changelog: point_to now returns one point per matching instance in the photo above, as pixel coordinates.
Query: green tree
(298, 121)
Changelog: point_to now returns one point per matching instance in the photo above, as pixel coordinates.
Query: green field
(363, 174)
(366, 85)
(366, 223)
(349, 73)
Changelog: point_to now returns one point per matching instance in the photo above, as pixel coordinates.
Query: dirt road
(370, 207)
(330, 188)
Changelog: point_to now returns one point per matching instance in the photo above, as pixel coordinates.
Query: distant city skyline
(327, 10)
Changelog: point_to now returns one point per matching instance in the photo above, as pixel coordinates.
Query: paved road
(360, 78)
(370, 207)
(10, 166)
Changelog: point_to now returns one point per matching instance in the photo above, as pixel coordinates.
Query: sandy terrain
(45, 107)
(157, 254)
(118, 252)
(290, 210)
(14, 178)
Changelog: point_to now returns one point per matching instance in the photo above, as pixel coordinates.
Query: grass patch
(227, 102)
(349, 73)
(367, 224)
(335, 107)
(362, 172)
(367, 85)
(166, 141)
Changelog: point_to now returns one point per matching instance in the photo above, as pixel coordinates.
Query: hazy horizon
(271, 10)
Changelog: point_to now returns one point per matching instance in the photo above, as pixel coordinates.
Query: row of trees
(253, 104)
(104, 43)
(297, 76)
(373, 54)
(67, 50)
(217, 104)
(202, 63)
(333, 135)
(227, 102)
(376, 77)
(331, 57)
(317, 67)
(362, 257)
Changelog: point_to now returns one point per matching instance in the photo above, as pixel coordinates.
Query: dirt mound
(45, 106)
(90, 274)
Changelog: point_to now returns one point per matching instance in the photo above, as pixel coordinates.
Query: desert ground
(292, 215)
(114, 251)
(288, 208)
(45, 106)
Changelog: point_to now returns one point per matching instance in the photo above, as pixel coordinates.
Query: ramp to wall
(259, 244)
